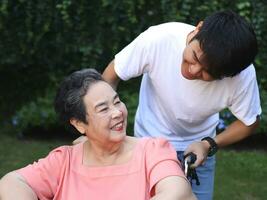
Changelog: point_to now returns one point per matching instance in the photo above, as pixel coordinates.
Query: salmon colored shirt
(62, 176)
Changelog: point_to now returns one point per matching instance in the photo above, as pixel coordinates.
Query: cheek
(124, 110)
(97, 120)
(186, 56)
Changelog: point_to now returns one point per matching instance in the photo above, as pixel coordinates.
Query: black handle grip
(191, 158)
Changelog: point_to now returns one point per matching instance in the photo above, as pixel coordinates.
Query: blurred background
(43, 41)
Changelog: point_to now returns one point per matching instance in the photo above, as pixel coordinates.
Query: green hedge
(42, 41)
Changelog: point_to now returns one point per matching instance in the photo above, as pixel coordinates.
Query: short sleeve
(245, 104)
(161, 160)
(133, 60)
(44, 176)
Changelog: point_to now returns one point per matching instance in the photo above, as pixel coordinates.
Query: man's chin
(188, 77)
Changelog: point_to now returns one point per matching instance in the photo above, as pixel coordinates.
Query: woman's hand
(201, 149)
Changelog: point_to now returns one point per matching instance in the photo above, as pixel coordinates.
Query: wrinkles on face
(107, 114)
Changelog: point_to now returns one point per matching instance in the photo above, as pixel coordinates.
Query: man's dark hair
(69, 102)
(228, 43)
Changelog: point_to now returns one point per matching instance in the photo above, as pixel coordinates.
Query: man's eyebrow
(195, 56)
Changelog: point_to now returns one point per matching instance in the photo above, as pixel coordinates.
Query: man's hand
(79, 140)
(201, 150)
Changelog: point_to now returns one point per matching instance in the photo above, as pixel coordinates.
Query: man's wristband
(213, 146)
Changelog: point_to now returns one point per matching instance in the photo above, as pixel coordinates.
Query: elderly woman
(109, 165)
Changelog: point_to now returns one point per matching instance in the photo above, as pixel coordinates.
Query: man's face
(192, 68)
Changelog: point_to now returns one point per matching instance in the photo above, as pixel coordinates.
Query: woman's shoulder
(67, 150)
(149, 142)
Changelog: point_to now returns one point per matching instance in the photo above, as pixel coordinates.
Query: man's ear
(78, 125)
(199, 25)
(194, 32)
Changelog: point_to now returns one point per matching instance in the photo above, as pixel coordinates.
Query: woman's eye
(117, 102)
(103, 109)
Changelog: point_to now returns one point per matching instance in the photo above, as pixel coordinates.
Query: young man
(190, 74)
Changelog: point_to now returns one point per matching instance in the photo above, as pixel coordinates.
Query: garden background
(43, 41)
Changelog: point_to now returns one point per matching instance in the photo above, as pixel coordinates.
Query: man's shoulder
(172, 25)
(171, 28)
(246, 75)
(170, 31)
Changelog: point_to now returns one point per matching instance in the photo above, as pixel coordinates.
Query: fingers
(200, 161)
(201, 151)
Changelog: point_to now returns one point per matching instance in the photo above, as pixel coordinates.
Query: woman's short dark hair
(69, 102)
(228, 43)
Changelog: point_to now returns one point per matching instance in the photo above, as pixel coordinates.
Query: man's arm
(14, 186)
(173, 188)
(235, 132)
(110, 75)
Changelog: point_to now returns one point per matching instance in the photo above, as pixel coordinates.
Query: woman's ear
(78, 125)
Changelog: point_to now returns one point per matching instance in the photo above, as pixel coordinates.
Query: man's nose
(195, 70)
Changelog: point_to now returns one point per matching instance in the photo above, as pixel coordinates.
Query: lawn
(240, 175)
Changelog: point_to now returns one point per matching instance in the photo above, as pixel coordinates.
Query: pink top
(62, 176)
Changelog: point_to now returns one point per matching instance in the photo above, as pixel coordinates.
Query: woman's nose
(116, 112)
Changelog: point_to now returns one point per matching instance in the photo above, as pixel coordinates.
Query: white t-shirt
(173, 107)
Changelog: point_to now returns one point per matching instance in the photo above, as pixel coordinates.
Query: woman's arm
(14, 187)
(173, 188)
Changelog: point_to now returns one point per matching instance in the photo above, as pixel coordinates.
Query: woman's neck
(95, 154)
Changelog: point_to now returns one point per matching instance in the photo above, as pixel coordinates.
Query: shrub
(38, 113)
(42, 41)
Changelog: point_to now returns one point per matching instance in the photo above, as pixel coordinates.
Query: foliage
(38, 113)
(129, 95)
(263, 128)
(42, 41)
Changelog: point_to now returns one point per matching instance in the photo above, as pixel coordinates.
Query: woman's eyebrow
(116, 96)
(100, 104)
(103, 103)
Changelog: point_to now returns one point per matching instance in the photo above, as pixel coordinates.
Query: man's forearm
(235, 132)
(110, 75)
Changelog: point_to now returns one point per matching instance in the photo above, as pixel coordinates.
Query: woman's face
(106, 114)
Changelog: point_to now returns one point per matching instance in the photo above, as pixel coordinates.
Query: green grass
(239, 175)
(16, 153)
